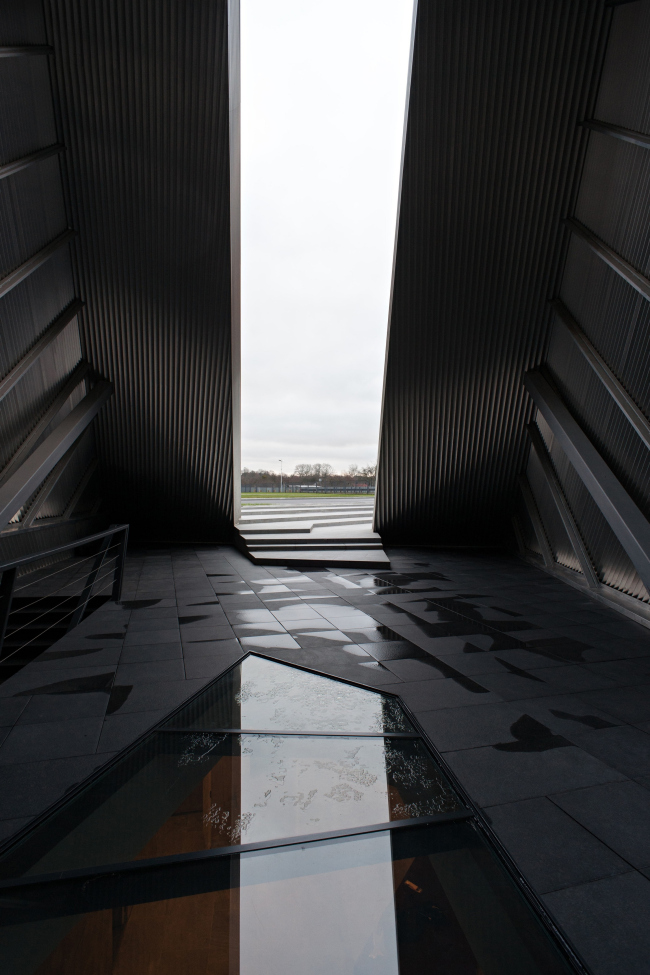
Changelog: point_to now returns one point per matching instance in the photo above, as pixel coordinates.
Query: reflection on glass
(426, 901)
(182, 793)
(300, 785)
(347, 926)
(260, 694)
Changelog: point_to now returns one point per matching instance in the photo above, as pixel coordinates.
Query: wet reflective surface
(164, 892)
(431, 901)
(183, 793)
(264, 695)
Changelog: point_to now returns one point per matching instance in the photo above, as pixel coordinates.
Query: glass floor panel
(424, 901)
(179, 793)
(315, 756)
(263, 695)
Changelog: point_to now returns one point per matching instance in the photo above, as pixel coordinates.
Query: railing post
(116, 593)
(6, 595)
(77, 616)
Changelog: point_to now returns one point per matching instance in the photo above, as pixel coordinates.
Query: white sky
(323, 100)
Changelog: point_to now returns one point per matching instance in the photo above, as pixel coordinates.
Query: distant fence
(306, 489)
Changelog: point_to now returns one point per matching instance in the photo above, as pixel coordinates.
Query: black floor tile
(320, 639)
(208, 648)
(145, 673)
(258, 615)
(28, 789)
(120, 730)
(452, 729)
(471, 664)
(153, 624)
(573, 678)
(610, 922)
(157, 651)
(630, 671)
(624, 748)
(551, 848)
(494, 776)
(295, 611)
(259, 629)
(209, 667)
(617, 813)
(158, 694)
(517, 687)
(149, 636)
(631, 704)
(272, 641)
(11, 709)
(361, 670)
(65, 707)
(430, 695)
(197, 634)
(51, 739)
(569, 715)
(411, 670)
(10, 826)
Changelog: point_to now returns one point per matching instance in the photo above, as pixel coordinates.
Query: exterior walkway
(312, 531)
(537, 697)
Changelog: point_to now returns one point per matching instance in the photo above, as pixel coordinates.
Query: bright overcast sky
(323, 100)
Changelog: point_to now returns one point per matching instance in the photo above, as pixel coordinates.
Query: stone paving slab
(537, 697)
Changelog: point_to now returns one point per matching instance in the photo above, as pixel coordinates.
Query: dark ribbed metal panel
(32, 213)
(21, 23)
(612, 563)
(143, 92)
(23, 407)
(615, 196)
(613, 316)
(25, 312)
(614, 203)
(528, 538)
(490, 162)
(26, 117)
(607, 427)
(555, 531)
(57, 500)
(624, 94)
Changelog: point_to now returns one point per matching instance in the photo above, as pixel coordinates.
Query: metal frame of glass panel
(66, 891)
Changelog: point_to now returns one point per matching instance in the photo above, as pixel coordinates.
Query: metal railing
(53, 599)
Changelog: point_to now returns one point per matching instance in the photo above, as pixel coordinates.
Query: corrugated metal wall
(490, 167)
(32, 213)
(143, 104)
(614, 203)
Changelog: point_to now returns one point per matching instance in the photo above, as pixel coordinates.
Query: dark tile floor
(536, 696)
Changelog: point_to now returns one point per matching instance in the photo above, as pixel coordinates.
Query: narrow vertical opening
(323, 94)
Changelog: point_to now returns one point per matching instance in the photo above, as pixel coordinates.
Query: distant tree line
(321, 474)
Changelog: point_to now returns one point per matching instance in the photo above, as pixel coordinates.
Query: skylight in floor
(240, 838)
(323, 104)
